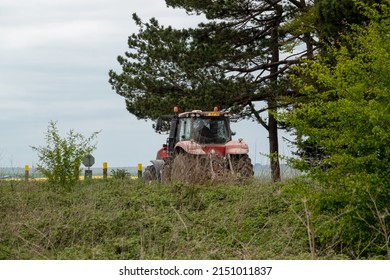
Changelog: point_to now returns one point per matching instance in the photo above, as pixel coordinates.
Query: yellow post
(105, 167)
(26, 172)
(139, 167)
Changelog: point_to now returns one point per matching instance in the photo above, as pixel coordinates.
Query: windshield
(204, 130)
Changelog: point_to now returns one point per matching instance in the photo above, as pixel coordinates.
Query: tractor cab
(203, 128)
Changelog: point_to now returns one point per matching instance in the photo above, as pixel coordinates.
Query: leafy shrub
(60, 159)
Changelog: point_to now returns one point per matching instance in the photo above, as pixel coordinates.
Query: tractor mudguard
(191, 147)
(158, 164)
(235, 147)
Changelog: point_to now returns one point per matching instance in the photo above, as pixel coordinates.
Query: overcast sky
(54, 61)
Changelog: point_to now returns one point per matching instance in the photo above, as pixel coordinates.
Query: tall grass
(125, 219)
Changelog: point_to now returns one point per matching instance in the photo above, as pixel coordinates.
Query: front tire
(149, 175)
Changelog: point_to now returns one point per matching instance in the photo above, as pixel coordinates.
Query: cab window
(185, 129)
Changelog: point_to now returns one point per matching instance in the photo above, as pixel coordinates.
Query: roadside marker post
(139, 167)
(26, 172)
(105, 168)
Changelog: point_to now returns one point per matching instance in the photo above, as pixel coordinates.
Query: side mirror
(159, 124)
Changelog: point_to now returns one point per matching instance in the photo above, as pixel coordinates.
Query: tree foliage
(348, 102)
(345, 112)
(334, 18)
(231, 61)
(60, 159)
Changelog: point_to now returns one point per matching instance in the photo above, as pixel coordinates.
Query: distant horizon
(116, 167)
(260, 170)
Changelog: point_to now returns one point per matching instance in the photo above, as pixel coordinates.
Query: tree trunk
(272, 102)
(273, 146)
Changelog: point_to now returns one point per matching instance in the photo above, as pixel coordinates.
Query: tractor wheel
(183, 168)
(243, 167)
(178, 171)
(200, 169)
(150, 174)
(166, 172)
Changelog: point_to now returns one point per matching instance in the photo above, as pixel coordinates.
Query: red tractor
(199, 148)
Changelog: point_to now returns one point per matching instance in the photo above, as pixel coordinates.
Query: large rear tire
(166, 171)
(189, 168)
(243, 167)
(179, 170)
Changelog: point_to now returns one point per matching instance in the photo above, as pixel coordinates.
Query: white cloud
(85, 32)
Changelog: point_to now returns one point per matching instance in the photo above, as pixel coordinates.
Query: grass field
(126, 219)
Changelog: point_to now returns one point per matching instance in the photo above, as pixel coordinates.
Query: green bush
(60, 159)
